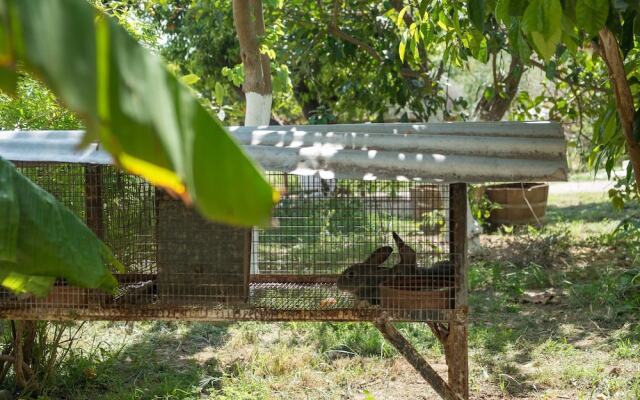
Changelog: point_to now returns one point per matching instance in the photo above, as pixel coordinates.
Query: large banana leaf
(40, 240)
(150, 122)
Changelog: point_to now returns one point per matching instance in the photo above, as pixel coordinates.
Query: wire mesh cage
(336, 250)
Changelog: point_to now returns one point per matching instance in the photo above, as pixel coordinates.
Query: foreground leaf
(20, 283)
(591, 15)
(50, 242)
(9, 217)
(150, 122)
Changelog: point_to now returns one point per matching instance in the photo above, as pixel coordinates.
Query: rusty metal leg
(404, 347)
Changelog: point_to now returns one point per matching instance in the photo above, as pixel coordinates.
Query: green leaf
(401, 49)
(627, 39)
(502, 11)
(616, 199)
(636, 127)
(414, 49)
(519, 43)
(151, 123)
(610, 127)
(8, 81)
(476, 13)
(20, 283)
(570, 38)
(618, 203)
(517, 7)
(8, 75)
(542, 20)
(400, 19)
(219, 93)
(189, 79)
(478, 46)
(591, 15)
(9, 215)
(422, 7)
(545, 47)
(51, 241)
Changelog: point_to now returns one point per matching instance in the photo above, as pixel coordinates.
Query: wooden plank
(404, 347)
(458, 239)
(93, 199)
(214, 313)
(301, 279)
(455, 340)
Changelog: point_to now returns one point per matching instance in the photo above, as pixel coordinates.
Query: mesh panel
(330, 254)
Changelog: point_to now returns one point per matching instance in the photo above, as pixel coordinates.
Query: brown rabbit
(362, 279)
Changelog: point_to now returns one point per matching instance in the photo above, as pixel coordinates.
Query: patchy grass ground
(555, 315)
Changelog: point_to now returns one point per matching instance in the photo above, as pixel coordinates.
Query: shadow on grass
(505, 334)
(504, 341)
(160, 365)
(586, 212)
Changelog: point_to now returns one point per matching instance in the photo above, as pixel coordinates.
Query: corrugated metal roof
(437, 152)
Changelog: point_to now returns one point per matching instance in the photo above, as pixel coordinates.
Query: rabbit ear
(407, 254)
(379, 256)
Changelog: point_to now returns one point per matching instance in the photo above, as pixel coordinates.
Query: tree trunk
(624, 100)
(495, 108)
(249, 23)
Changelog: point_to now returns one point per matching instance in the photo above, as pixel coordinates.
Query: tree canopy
(336, 61)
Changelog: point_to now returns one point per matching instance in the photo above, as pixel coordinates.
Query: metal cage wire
(329, 255)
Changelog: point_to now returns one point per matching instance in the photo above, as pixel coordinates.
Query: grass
(584, 343)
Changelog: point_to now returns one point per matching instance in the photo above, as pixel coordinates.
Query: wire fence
(336, 250)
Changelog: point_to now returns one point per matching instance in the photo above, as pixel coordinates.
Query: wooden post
(453, 336)
(404, 347)
(454, 339)
(93, 199)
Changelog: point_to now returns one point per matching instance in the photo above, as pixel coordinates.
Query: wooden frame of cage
(452, 333)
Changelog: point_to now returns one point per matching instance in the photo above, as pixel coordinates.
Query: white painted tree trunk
(258, 112)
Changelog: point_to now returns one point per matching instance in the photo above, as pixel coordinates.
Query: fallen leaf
(537, 297)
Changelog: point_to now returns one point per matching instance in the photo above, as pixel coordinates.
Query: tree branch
(337, 32)
(493, 109)
(562, 75)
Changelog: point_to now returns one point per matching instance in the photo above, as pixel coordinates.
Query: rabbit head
(367, 274)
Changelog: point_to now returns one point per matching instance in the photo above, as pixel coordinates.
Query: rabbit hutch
(371, 226)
